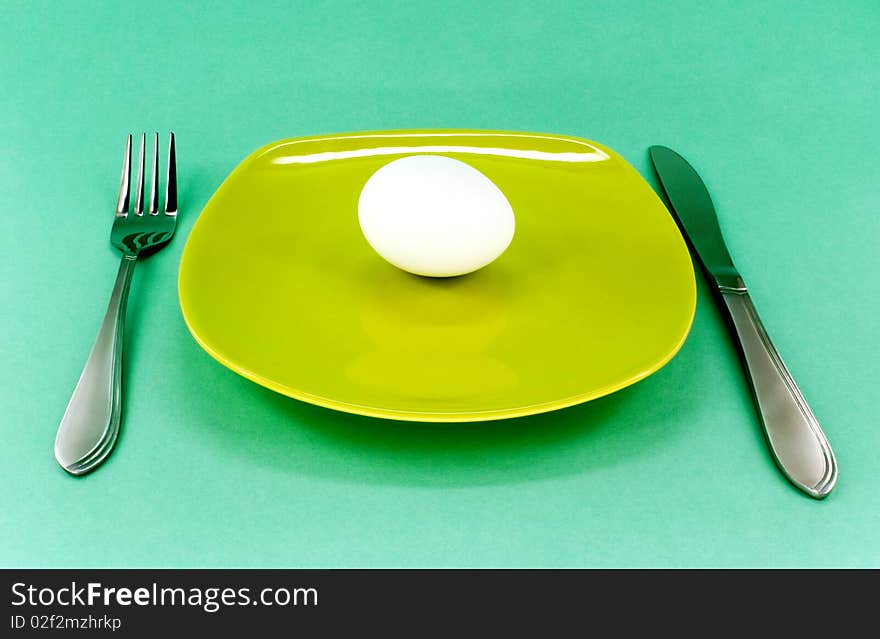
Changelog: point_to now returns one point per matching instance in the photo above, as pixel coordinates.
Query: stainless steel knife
(798, 444)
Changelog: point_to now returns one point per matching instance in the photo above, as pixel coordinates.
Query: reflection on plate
(595, 292)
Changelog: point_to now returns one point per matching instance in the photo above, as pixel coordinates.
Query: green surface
(776, 104)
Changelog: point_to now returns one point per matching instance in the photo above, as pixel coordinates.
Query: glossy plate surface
(595, 292)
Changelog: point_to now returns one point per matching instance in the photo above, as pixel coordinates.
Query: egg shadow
(281, 433)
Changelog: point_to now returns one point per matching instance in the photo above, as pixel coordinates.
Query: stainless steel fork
(90, 425)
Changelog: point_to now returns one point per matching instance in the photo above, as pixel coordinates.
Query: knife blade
(797, 442)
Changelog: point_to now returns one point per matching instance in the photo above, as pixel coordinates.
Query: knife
(798, 444)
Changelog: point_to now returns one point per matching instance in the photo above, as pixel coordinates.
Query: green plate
(595, 292)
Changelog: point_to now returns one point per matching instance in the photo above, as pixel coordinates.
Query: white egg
(436, 216)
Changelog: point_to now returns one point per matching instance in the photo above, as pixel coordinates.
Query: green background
(775, 103)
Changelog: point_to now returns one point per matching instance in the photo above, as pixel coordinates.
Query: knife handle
(793, 434)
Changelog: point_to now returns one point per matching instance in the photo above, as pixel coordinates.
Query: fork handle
(793, 433)
(95, 408)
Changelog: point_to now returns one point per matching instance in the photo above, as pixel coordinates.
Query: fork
(90, 425)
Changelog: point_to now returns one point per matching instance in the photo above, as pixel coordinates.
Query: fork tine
(125, 182)
(154, 181)
(171, 180)
(139, 194)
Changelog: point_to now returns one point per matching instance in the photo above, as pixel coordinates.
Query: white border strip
(328, 156)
